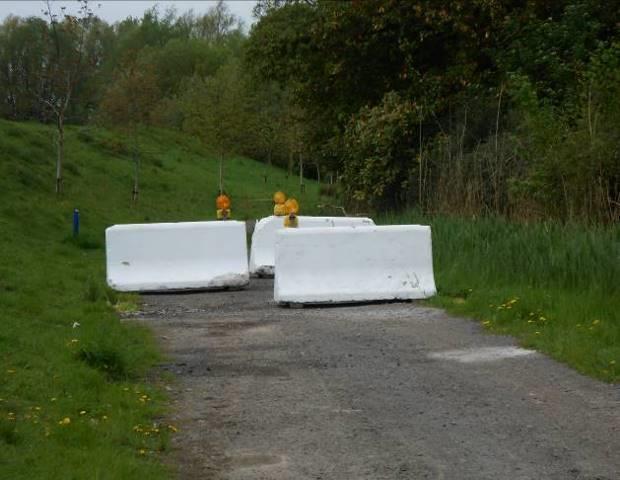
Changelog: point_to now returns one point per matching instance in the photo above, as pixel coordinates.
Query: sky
(114, 10)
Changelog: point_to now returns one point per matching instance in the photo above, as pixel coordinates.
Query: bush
(380, 144)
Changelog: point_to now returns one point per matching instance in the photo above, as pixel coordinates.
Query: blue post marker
(76, 222)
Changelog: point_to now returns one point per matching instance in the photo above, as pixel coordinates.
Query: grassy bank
(73, 400)
(554, 287)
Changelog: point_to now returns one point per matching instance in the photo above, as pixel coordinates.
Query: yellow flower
(65, 421)
(105, 417)
(142, 451)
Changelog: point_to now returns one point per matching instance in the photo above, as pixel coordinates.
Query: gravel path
(383, 391)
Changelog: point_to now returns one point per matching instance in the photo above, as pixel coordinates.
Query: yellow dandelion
(65, 421)
(142, 451)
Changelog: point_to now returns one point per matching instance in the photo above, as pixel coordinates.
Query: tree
(216, 23)
(22, 48)
(66, 67)
(215, 110)
(129, 101)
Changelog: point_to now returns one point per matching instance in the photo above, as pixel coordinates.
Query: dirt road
(385, 391)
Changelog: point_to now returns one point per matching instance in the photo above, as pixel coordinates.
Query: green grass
(93, 374)
(555, 287)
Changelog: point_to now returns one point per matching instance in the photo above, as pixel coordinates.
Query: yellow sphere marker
(292, 209)
(279, 209)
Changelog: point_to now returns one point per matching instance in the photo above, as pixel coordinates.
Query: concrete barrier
(177, 256)
(262, 253)
(335, 265)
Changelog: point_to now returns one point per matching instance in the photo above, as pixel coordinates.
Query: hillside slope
(71, 401)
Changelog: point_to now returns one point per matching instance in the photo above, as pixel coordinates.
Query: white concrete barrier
(332, 265)
(177, 256)
(262, 253)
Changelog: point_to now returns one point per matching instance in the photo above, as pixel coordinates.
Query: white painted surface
(262, 253)
(483, 354)
(345, 264)
(176, 256)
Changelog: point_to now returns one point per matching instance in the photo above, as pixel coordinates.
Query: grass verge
(73, 400)
(554, 287)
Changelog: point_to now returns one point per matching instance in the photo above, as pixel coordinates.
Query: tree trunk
(421, 170)
(221, 173)
(60, 152)
(136, 175)
(290, 163)
(301, 172)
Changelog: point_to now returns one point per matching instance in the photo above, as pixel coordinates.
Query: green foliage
(550, 285)
(507, 91)
(572, 158)
(380, 146)
(214, 108)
